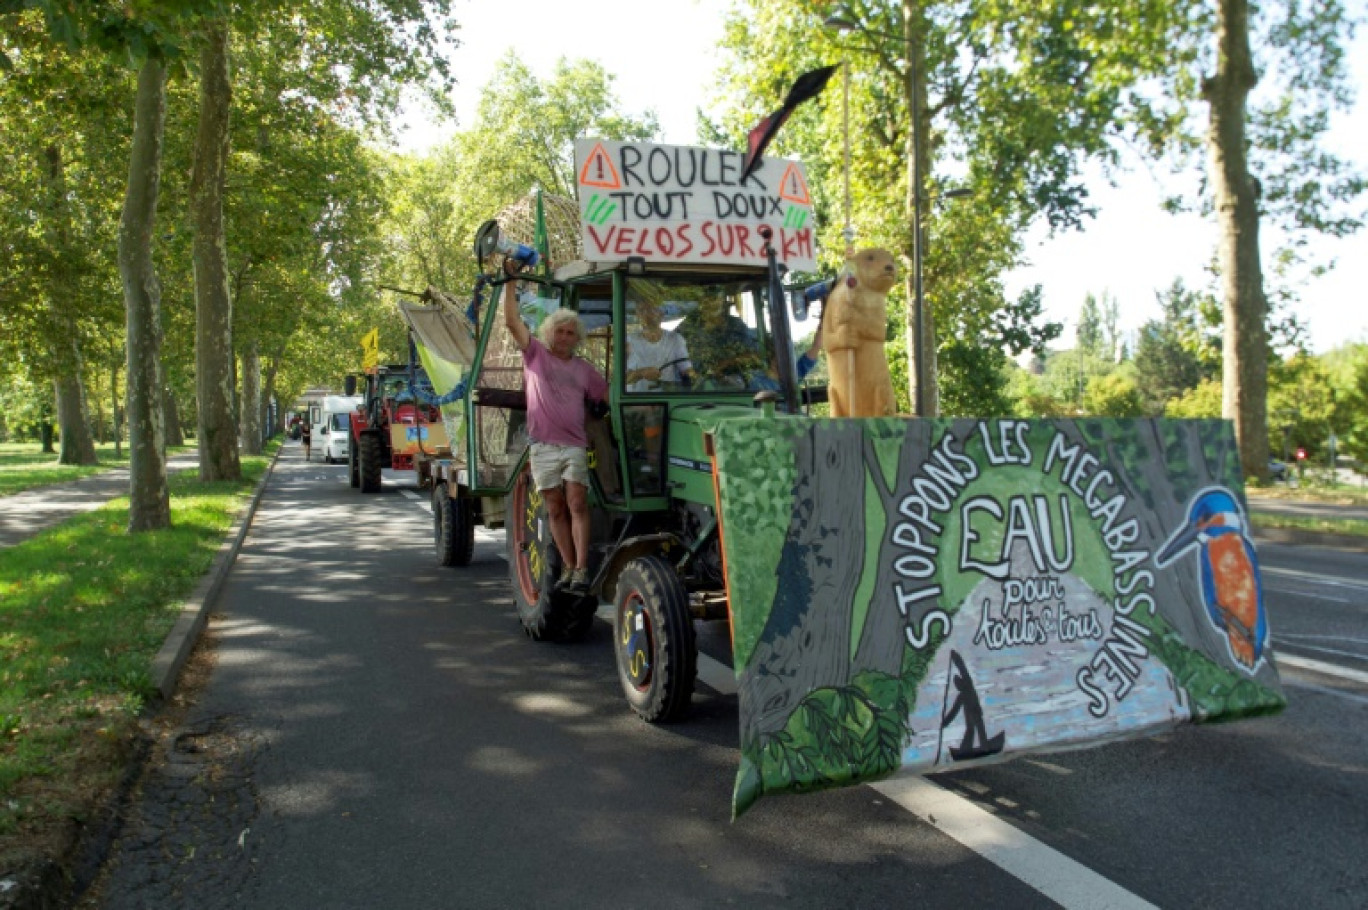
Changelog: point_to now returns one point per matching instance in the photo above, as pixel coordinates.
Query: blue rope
(473, 311)
(427, 397)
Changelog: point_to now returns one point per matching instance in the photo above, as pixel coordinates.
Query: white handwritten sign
(671, 203)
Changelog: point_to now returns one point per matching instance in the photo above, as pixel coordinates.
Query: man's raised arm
(513, 316)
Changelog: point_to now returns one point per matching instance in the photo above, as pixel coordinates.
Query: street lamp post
(849, 231)
(920, 406)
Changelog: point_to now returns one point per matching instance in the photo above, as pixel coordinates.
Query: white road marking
(1321, 649)
(1064, 881)
(1326, 690)
(1320, 666)
(1316, 578)
(1347, 639)
(1339, 600)
(409, 494)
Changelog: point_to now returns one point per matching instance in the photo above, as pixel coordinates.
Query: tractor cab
(675, 345)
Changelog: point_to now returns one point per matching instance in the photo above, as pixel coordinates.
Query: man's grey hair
(555, 320)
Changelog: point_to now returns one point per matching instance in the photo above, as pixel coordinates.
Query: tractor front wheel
(453, 531)
(653, 637)
(534, 566)
(353, 464)
(370, 463)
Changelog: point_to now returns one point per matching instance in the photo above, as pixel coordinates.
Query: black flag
(758, 139)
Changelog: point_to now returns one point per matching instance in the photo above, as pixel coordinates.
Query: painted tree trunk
(251, 400)
(76, 446)
(826, 532)
(1245, 378)
(149, 498)
(218, 430)
(879, 637)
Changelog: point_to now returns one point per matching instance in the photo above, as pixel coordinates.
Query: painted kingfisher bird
(1229, 569)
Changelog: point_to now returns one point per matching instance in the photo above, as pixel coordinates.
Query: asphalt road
(378, 732)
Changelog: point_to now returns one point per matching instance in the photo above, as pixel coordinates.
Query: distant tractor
(393, 429)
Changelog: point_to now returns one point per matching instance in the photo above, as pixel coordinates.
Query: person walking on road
(306, 437)
(560, 386)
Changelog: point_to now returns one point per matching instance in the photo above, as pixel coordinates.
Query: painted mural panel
(916, 595)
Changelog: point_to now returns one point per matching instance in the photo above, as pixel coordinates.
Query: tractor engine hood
(707, 416)
(688, 466)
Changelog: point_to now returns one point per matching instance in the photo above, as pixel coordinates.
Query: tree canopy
(318, 218)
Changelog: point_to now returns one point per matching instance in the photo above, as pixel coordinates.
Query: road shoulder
(54, 881)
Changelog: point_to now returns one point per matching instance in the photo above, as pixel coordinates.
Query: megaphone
(489, 240)
(802, 300)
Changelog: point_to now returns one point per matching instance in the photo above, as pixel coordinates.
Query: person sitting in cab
(724, 350)
(657, 357)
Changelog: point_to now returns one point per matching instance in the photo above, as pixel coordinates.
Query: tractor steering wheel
(684, 379)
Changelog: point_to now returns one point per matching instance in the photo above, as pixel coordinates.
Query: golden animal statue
(854, 322)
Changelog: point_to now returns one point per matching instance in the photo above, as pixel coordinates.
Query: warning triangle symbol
(598, 170)
(793, 187)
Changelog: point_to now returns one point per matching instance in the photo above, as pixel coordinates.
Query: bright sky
(1131, 250)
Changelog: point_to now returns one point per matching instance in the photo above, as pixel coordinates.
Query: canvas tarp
(445, 342)
(443, 330)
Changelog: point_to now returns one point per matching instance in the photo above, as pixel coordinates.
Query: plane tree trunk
(149, 497)
(76, 446)
(218, 430)
(1245, 378)
(250, 414)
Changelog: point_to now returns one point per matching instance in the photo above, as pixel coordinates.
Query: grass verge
(84, 607)
(1311, 490)
(1345, 526)
(24, 465)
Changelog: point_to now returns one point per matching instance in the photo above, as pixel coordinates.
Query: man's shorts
(552, 464)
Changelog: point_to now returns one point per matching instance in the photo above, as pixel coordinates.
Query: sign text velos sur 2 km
(669, 203)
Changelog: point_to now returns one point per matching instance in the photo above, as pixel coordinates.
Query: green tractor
(876, 575)
(655, 551)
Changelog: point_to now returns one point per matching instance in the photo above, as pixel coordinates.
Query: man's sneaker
(579, 581)
(567, 573)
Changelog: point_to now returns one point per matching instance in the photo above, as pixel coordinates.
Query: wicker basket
(518, 222)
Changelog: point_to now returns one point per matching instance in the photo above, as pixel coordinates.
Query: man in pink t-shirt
(559, 385)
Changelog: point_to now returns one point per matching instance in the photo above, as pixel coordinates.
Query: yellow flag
(370, 349)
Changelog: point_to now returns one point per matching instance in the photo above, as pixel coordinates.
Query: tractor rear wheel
(370, 463)
(353, 464)
(534, 565)
(453, 531)
(654, 640)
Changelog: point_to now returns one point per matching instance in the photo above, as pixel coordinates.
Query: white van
(331, 429)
